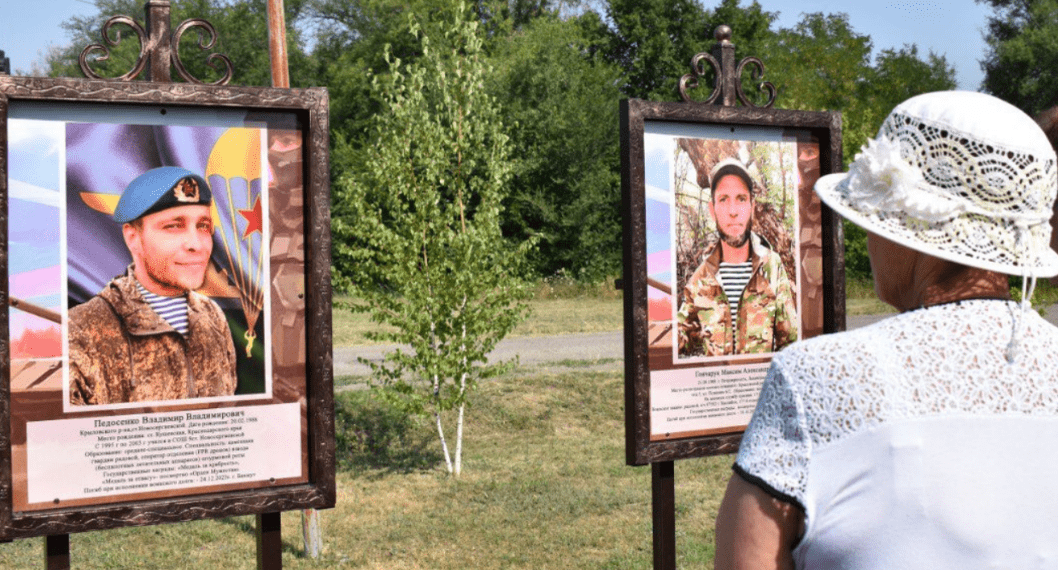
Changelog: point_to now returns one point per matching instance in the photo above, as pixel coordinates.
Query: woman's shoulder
(838, 346)
(924, 340)
(950, 325)
(911, 364)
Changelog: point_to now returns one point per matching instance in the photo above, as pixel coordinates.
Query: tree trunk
(459, 441)
(462, 391)
(444, 442)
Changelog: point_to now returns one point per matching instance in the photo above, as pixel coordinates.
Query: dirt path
(593, 351)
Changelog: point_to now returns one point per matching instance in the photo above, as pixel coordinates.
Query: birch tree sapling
(422, 221)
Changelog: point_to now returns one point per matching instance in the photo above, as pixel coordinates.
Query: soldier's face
(732, 208)
(171, 248)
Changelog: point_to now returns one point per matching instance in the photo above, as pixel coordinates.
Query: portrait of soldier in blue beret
(148, 335)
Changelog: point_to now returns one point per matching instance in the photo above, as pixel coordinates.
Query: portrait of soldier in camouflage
(148, 335)
(740, 299)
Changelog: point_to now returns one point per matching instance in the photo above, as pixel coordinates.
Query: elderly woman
(929, 439)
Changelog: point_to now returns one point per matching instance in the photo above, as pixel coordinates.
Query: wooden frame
(308, 109)
(638, 119)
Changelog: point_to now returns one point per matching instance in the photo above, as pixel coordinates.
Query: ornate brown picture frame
(700, 180)
(72, 460)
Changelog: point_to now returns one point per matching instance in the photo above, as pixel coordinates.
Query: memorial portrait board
(729, 257)
(168, 337)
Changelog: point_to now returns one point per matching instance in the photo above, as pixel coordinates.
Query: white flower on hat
(880, 180)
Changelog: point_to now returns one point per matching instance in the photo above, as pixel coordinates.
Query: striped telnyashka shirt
(733, 277)
(172, 310)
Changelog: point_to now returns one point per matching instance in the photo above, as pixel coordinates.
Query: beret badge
(186, 191)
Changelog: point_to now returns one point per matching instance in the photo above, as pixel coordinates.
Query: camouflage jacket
(767, 317)
(120, 350)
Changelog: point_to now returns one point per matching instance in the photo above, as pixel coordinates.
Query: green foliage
(857, 262)
(822, 63)
(902, 74)
(1023, 41)
(417, 231)
(354, 37)
(559, 100)
(352, 45)
(654, 40)
(1044, 294)
(651, 40)
(562, 105)
(242, 30)
(751, 30)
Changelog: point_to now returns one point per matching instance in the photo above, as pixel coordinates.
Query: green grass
(861, 300)
(559, 306)
(544, 487)
(548, 317)
(562, 307)
(1045, 294)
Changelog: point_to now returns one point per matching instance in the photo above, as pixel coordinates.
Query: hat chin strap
(1028, 287)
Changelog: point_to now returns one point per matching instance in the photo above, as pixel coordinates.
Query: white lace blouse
(915, 442)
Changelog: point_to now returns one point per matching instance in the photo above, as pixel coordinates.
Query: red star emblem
(253, 218)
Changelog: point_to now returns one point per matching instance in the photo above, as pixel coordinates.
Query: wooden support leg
(663, 492)
(269, 542)
(57, 552)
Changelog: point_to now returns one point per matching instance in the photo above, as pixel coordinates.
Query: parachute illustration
(236, 175)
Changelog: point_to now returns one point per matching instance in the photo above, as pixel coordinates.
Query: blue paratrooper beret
(159, 189)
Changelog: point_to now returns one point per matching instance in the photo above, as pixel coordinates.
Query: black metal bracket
(728, 86)
(158, 46)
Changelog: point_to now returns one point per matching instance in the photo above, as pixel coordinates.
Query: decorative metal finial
(728, 76)
(722, 33)
(158, 47)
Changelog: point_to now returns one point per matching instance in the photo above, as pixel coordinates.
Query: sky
(28, 27)
(951, 28)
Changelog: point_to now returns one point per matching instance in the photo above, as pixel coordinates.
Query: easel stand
(57, 552)
(663, 493)
(269, 542)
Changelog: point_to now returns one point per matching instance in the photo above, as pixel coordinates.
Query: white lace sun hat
(959, 175)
